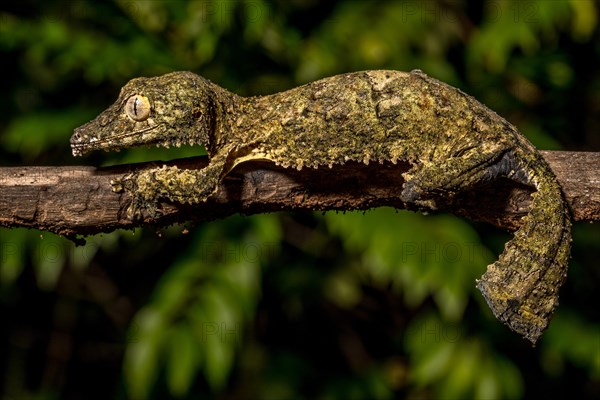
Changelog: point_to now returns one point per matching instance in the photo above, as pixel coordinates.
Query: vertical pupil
(135, 103)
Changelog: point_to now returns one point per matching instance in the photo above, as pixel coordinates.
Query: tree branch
(79, 201)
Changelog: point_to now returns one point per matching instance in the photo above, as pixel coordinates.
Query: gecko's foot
(144, 197)
(413, 194)
(139, 209)
(169, 184)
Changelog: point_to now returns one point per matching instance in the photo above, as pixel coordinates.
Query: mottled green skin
(451, 140)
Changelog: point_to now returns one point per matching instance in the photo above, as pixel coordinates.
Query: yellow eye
(138, 107)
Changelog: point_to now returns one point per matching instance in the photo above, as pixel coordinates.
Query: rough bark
(79, 200)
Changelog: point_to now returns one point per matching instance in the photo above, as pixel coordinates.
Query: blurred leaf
(267, 228)
(12, 254)
(183, 358)
(218, 359)
(434, 364)
(369, 385)
(32, 134)
(206, 297)
(141, 364)
(457, 366)
(49, 259)
(343, 288)
(572, 339)
(539, 138)
(585, 18)
(432, 255)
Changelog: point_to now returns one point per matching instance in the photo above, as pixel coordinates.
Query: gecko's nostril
(76, 137)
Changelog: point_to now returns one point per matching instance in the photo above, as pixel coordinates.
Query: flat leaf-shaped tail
(522, 287)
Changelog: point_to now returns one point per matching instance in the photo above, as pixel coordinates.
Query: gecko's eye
(137, 107)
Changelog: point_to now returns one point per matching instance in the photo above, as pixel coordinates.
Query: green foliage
(573, 340)
(46, 254)
(440, 263)
(196, 320)
(371, 385)
(457, 366)
(440, 259)
(342, 306)
(350, 40)
(31, 135)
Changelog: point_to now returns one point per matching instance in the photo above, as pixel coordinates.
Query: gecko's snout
(78, 142)
(76, 138)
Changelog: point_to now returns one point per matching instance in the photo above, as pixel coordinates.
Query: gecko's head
(168, 110)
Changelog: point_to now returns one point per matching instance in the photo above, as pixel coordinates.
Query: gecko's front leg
(149, 187)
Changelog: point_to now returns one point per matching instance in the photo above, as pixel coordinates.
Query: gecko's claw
(117, 185)
(125, 184)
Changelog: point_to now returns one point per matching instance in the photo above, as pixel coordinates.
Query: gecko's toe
(134, 214)
(117, 185)
(140, 210)
(123, 184)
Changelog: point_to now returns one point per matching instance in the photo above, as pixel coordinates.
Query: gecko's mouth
(82, 143)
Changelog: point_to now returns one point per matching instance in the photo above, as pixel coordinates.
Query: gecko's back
(371, 116)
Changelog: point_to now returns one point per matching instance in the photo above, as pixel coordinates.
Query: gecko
(451, 141)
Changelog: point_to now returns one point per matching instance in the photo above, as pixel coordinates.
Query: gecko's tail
(522, 287)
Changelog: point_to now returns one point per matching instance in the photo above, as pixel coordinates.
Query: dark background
(374, 305)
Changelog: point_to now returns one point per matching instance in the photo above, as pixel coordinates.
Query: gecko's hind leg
(428, 180)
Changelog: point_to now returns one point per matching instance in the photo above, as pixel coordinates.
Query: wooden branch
(79, 201)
